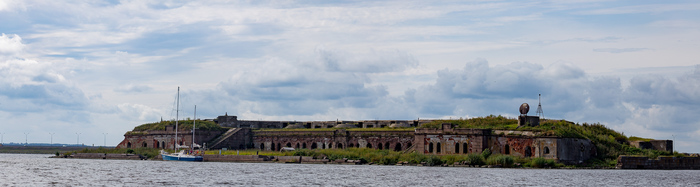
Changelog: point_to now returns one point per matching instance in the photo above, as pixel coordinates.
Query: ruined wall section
(575, 150)
(338, 139)
(165, 139)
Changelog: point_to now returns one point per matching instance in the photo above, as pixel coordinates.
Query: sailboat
(182, 155)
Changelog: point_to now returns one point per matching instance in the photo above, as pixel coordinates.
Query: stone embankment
(662, 162)
(103, 156)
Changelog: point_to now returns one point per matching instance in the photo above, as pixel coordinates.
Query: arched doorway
(457, 148)
(409, 145)
(507, 150)
(398, 147)
(297, 147)
(262, 146)
(340, 146)
(546, 150)
(379, 146)
(144, 144)
(528, 151)
(303, 145)
(430, 147)
(465, 148)
(438, 147)
(128, 144)
(279, 147)
(313, 146)
(351, 145)
(369, 145)
(386, 146)
(273, 147)
(289, 144)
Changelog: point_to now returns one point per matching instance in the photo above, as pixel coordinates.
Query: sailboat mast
(194, 124)
(177, 113)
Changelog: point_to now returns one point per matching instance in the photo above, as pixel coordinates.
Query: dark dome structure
(524, 108)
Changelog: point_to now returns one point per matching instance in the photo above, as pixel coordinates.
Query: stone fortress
(273, 135)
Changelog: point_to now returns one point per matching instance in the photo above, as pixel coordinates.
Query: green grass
(634, 138)
(333, 129)
(182, 125)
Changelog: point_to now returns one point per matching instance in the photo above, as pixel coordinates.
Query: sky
(92, 70)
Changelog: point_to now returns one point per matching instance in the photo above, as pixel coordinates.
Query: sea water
(39, 170)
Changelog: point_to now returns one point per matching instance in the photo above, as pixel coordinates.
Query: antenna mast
(539, 107)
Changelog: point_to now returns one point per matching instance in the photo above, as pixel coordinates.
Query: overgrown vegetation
(387, 157)
(182, 125)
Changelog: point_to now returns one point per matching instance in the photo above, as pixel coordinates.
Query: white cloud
(10, 44)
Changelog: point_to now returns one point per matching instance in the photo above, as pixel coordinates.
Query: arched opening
(128, 144)
(379, 146)
(340, 146)
(157, 144)
(303, 145)
(323, 146)
(369, 145)
(397, 147)
(546, 150)
(438, 147)
(279, 147)
(289, 144)
(313, 146)
(262, 146)
(386, 146)
(297, 147)
(144, 144)
(409, 145)
(273, 147)
(465, 148)
(351, 145)
(430, 147)
(457, 148)
(507, 150)
(528, 151)
(162, 144)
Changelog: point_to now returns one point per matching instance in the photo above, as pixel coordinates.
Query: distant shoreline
(41, 149)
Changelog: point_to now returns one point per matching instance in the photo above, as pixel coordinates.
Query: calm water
(39, 170)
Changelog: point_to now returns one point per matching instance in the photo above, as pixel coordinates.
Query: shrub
(129, 151)
(503, 160)
(542, 163)
(475, 159)
(433, 160)
(486, 153)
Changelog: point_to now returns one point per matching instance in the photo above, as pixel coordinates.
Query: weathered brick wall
(338, 139)
(636, 162)
(448, 140)
(165, 139)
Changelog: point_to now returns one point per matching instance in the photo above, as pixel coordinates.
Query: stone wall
(448, 140)
(165, 139)
(660, 145)
(337, 139)
(662, 162)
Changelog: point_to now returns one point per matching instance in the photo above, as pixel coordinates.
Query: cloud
(138, 112)
(31, 86)
(619, 50)
(133, 88)
(10, 44)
